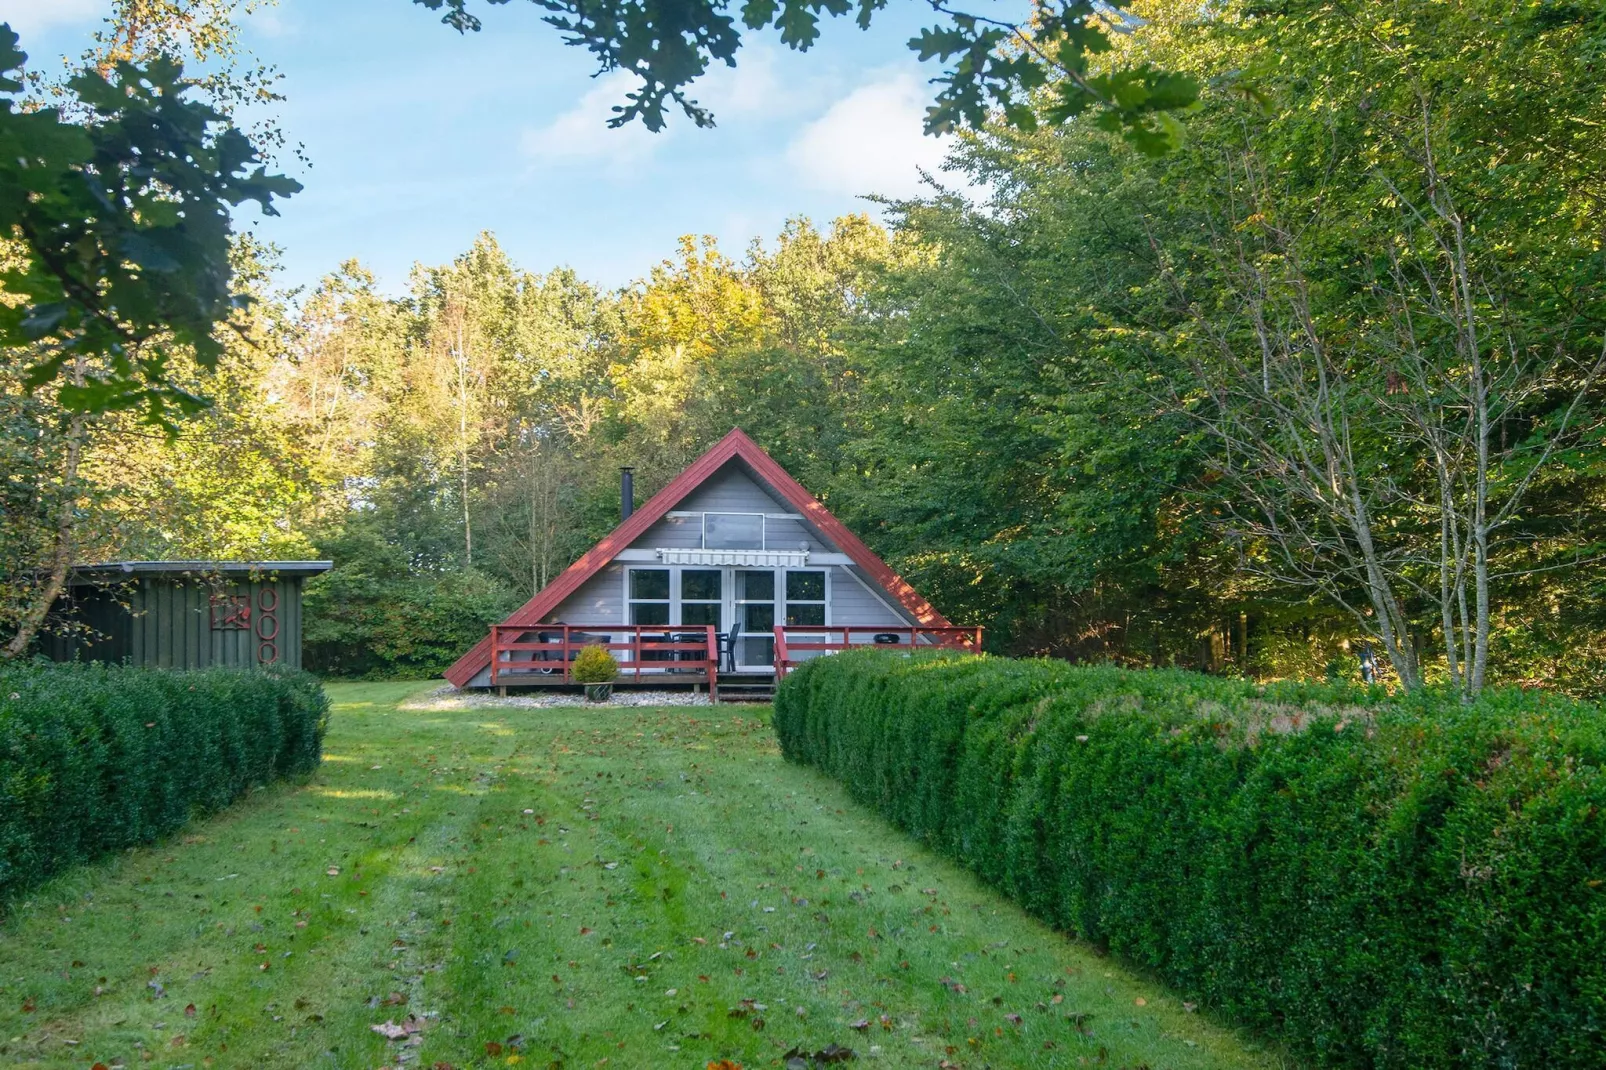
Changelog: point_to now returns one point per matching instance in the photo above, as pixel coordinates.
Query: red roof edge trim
(734, 445)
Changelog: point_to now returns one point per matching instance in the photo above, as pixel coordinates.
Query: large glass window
(733, 531)
(805, 598)
(702, 596)
(755, 586)
(758, 617)
(649, 596)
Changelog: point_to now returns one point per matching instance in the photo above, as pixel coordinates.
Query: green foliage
(741, 817)
(96, 759)
(994, 67)
(123, 228)
(373, 616)
(1003, 399)
(594, 665)
(1386, 882)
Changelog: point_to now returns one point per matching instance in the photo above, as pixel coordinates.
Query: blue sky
(419, 138)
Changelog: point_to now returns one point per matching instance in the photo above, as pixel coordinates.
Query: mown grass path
(572, 888)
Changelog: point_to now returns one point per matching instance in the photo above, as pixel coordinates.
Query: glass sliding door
(755, 619)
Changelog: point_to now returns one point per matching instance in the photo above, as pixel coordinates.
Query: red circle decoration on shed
(267, 625)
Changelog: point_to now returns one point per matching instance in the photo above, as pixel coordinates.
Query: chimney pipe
(627, 493)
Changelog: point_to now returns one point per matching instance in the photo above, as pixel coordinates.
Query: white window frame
(776, 601)
(678, 601)
(786, 603)
(672, 601)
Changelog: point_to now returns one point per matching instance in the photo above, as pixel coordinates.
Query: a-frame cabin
(729, 575)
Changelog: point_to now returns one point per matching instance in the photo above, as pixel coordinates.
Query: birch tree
(1377, 344)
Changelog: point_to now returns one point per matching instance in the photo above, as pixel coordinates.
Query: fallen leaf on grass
(834, 1053)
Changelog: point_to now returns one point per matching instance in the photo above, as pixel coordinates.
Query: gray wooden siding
(600, 600)
(852, 604)
(789, 534)
(731, 490)
(679, 532)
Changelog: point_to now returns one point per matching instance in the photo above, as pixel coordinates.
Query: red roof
(733, 446)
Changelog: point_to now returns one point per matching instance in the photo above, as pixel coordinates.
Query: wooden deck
(655, 654)
(695, 679)
(663, 656)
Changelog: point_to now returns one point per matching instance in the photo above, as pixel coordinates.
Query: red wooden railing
(639, 648)
(810, 641)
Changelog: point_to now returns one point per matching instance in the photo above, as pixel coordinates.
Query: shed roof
(110, 569)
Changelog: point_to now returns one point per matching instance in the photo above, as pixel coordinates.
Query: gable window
(733, 531)
(805, 598)
(649, 596)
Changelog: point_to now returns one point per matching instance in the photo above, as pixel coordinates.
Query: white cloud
(31, 16)
(582, 133)
(752, 86)
(870, 141)
(271, 22)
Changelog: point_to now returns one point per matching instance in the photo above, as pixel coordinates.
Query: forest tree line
(1326, 376)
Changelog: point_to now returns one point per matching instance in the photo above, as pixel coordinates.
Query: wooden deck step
(746, 688)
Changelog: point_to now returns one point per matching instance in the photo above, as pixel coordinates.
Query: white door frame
(734, 611)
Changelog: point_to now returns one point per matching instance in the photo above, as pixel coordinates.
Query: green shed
(182, 614)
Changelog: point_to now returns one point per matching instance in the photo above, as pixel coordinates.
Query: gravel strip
(447, 698)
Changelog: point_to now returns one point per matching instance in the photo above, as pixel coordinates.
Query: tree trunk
(63, 542)
(462, 445)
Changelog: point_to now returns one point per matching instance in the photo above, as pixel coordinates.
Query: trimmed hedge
(1389, 882)
(95, 759)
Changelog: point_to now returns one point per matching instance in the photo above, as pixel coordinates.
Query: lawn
(560, 888)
